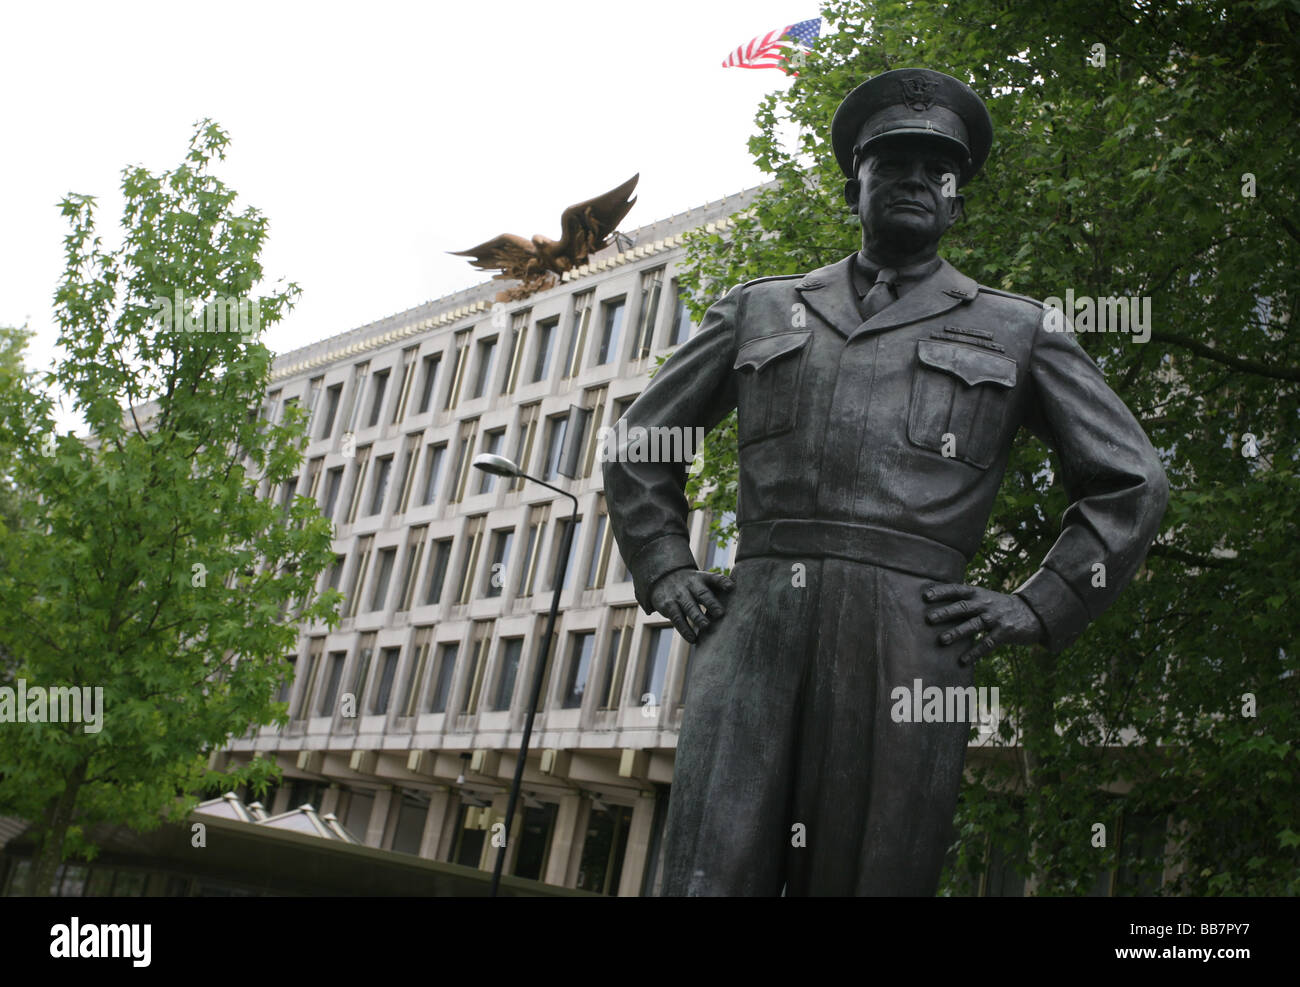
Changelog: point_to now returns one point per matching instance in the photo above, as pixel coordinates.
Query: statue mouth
(909, 204)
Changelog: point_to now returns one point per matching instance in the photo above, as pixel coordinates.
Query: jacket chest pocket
(770, 369)
(960, 397)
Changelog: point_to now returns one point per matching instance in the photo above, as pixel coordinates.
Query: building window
(332, 679)
(359, 374)
(518, 339)
(380, 388)
(681, 327)
(601, 546)
(614, 668)
(622, 404)
(578, 335)
(560, 530)
(1141, 854)
(473, 541)
(535, 840)
(655, 667)
(468, 850)
(332, 396)
(577, 669)
(380, 596)
(492, 443)
(414, 556)
(286, 683)
(512, 649)
(406, 482)
(719, 555)
(532, 548)
(359, 576)
(439, 561)
(617, 567)
(611, 328)
(314, 650)
(387, 672)
(359, 484)
(383, 469)
(603, 849)
(481, 638)
(362, 676)
(594, 401)
(423, 637)
(361, 806)
(428, 378)
(528, 416)
(487, 349)
(404, 388)
(286, 494)
(433, 457)
(498, 560)
(651, 286)
(458, 372)
(336, 572)
(313, 398)
(313, 477)
(442, 675)
(464, 459)
(304, 792)
(332, 483)
(556, 426)
(546, 332)
(284, 408)
(412, 812)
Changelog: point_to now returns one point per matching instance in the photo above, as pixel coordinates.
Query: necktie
(881, 293)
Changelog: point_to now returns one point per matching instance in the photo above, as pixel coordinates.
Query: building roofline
(651, 238)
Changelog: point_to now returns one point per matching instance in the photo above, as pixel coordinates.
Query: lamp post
(500, 466)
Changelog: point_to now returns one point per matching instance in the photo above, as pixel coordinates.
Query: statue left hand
(1004, 618)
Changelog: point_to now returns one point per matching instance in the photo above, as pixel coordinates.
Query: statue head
(907, 140)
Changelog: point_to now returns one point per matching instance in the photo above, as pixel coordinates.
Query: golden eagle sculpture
(538, 263)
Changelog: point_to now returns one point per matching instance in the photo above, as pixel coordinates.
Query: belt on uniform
(863, 543)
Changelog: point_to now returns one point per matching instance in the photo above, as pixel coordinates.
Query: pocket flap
(757, 353)
(974, 366)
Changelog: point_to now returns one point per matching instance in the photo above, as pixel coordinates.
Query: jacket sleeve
(646, 500)
(1112, 475)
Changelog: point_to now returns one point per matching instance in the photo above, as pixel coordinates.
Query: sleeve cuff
(1060, 611)
(654, 561)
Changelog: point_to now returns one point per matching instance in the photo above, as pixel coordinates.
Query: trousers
(791, 774)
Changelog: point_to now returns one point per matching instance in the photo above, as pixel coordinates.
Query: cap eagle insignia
(918, 93)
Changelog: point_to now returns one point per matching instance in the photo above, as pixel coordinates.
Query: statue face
(899, 198)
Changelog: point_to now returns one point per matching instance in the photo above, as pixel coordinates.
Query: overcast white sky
(375, 136)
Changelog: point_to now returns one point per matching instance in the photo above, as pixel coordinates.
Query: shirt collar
(865, 272)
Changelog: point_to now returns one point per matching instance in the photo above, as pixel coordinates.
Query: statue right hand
(686, 597)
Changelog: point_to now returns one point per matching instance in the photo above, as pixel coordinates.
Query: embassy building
(405, 721)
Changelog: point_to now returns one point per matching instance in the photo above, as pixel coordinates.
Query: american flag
(767, 51)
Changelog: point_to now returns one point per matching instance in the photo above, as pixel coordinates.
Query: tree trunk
(54, 830)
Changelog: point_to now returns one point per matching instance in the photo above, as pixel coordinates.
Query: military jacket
(903, 422)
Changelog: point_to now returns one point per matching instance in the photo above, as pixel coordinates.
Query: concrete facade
(405, 719)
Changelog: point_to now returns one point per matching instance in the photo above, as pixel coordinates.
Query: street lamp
(500, 466)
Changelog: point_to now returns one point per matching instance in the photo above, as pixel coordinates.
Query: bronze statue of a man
(878, 398)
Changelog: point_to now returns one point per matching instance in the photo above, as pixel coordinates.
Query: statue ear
(957, 210)
(852, 189)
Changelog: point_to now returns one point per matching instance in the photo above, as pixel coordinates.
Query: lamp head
(496, 465)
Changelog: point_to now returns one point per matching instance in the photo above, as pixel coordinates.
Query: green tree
(1142, 149)
(143, 562)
